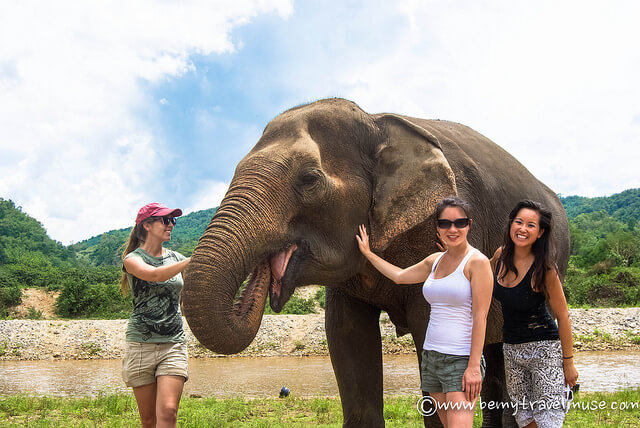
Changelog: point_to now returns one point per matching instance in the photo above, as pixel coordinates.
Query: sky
(108, 105)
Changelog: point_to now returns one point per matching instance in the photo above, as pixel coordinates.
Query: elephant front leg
(355, 346)
(494, 390)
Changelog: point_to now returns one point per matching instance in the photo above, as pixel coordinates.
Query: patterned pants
(535, 382)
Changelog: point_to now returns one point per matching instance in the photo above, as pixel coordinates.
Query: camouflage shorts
(443, 372)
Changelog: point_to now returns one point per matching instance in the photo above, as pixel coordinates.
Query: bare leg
(168, 399)
(440, 407)
(460, 411)
(146, 399)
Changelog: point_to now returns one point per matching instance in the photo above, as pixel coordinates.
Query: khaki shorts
(443, 372)
(143, 362)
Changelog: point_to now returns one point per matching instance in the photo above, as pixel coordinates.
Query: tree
(623, 246)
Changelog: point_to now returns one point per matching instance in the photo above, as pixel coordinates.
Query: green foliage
(597, 237)
(604, 269)
(9, 296)
(106, 249)
(624, 206)
(91, 348)
(620, 286)
(20, 233)
(296, 306)
(80, 298)
(33, 314)
(321, 297)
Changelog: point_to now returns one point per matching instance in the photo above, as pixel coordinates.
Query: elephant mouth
(269, 275)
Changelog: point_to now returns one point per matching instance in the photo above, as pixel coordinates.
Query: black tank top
(525, 314)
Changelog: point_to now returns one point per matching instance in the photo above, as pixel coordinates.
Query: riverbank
(279, 335)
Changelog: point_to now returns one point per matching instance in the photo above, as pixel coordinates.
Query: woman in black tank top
(538, 354)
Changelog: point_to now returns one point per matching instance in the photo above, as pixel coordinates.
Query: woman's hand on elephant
(472, 382)
(363, 240)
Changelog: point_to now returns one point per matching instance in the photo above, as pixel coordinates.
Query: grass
(634, 338)
(33, 314)
(119, 410)
(91, 348)
(602, 337)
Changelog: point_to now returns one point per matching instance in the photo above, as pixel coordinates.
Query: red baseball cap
(155, 209)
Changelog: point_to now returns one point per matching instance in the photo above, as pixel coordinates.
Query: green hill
(106, 249)
(28, 257)
(623, 206)
(21, 235)
(86, 273)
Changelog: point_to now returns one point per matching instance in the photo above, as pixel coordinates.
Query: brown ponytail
(136, 238)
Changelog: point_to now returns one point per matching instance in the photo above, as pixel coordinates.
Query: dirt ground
(38, 300)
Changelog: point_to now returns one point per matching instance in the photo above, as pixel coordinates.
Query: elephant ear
(412, 176)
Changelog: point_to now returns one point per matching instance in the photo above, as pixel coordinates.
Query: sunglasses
(459, 223)
(167, 220)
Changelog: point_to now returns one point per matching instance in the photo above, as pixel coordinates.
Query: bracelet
(567, 358)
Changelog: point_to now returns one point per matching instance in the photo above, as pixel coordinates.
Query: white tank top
(451, 320)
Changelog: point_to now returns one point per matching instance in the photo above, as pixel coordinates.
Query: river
(265, 376)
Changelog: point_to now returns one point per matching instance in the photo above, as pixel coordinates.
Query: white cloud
(73, 151)
(554, 83)
(209, 196)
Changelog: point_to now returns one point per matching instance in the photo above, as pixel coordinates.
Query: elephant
(290, 216)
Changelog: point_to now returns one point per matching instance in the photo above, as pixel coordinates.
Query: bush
(296, 306)
(603, 267)
(321, 297)
(7, 279)
(9, 296)
(620, 286)
(81, 299)
(603, 294)
(34, 314)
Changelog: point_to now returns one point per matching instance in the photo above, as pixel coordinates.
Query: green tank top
(156, 316)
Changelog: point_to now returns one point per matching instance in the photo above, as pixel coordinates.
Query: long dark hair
(543, 248)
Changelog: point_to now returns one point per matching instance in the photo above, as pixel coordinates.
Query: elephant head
(293, 206)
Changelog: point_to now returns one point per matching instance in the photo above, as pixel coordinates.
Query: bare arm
(559, 306)
(411, 275)
(481, 291)
(138, 268)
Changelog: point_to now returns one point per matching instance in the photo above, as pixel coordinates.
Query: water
(264, 377)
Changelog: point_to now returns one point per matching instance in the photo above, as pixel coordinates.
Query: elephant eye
(310, 178)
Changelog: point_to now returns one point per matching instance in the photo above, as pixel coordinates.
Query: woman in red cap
(155, 360)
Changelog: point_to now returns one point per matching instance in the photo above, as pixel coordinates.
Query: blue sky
(106, 106)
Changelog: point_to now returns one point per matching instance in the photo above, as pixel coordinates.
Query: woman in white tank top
(457, 284)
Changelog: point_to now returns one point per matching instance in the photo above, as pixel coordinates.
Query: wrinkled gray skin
(290, 218)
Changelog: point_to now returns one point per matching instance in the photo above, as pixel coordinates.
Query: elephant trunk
(239, 242)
